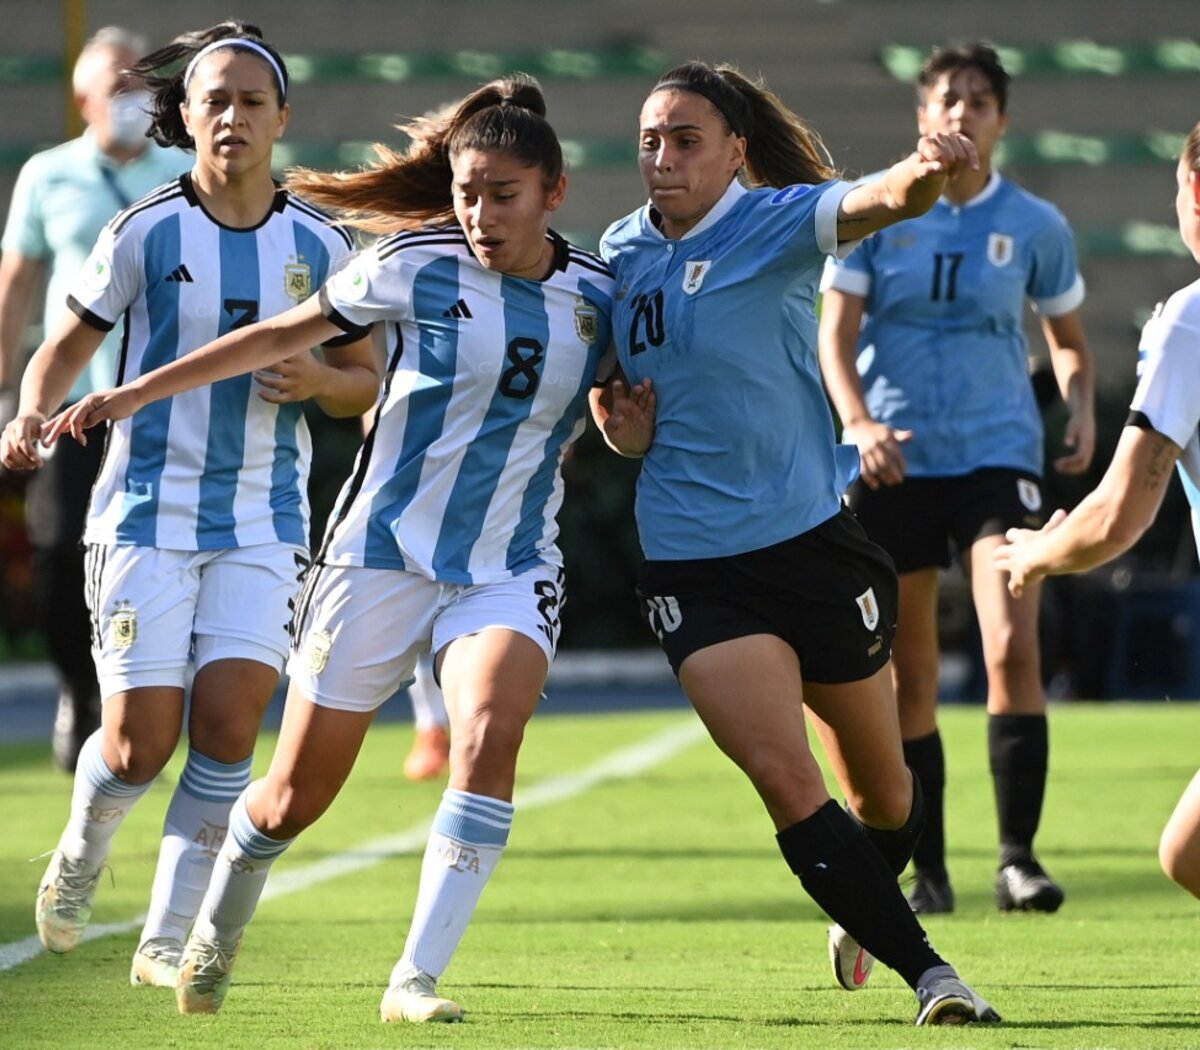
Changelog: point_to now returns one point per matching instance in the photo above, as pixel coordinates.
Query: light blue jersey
(1168, 390)
(487, 382)
(215, 467)
(722, 321)
(943, 350)
(61, 201)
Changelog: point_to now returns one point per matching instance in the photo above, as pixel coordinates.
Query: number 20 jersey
(487, 381)
(215, 467)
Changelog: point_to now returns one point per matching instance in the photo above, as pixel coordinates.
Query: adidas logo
(459, 310)
(180, 273)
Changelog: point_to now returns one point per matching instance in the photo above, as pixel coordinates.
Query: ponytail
(780, 148)
(406, 190)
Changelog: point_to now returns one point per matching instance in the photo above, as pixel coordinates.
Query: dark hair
(1191, 150)
(405, 190)
(163, 72)
(978, 56)
(780, 148)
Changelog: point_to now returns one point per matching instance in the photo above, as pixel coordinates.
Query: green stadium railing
(1068, 58)
(400, 66)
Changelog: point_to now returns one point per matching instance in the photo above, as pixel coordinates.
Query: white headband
(235, 41)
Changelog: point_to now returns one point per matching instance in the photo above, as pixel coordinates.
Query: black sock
(1019, 751)
(925, 757)
(897, 844)
(848, 878)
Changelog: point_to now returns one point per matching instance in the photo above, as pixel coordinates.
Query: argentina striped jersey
(486, 386)
(214, 467)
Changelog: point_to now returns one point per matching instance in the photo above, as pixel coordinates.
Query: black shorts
(830, 593)
(917, 520)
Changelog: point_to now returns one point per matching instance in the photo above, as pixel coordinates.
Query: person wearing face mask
(62, 198)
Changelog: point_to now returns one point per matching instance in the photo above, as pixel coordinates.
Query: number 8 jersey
(216, 467)
(487, 379)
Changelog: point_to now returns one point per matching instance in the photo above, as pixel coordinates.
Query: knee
(1179, 862)
(889, 809)
(489, 738)
(283, 810)
(138, 757)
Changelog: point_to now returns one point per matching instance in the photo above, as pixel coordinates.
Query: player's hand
(91, 411)
(1016, 554)
(19, 442)
(1080, 437)
(883, 462)
(629, 427)
(296, 378)
(944, 155)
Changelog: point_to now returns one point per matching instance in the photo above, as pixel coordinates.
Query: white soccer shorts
(358, 632)
(154, 611)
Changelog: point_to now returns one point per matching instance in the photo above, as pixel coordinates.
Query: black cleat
(931, 893)
(1025, 886)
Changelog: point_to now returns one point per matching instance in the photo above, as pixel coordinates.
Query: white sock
(238, 877)
(429, 709)
(100, 801)
(193, 832)
(469, 834)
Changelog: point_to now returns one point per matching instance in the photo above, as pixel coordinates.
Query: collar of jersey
(716, 213)
(990, 189)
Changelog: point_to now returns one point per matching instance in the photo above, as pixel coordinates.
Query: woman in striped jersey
(445, 531)
(197, 531)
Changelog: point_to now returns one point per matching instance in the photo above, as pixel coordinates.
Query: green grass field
(642, 911)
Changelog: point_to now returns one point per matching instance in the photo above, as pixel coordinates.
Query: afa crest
(587, 322)
(316, 651)
(297, 280)
(123, 623)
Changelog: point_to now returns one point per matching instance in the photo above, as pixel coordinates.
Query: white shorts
(358, 632)
(154, 611)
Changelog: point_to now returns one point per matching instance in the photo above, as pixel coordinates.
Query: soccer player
(924, 354)
(1162, 431)
(197, 529)
(446, 530)
(765, 594)
(62, 199)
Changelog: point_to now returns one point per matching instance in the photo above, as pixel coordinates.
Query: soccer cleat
(204, 973)
(64, 902)
(414, 998)
(156, 963)
(948, 1000)
(931, 894)
(1025, 886)
(851, 962)
(430, 754)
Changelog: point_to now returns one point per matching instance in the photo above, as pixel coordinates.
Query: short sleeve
(25, 230)
(1168, 390)
(110, 279)
(367, 289)
(1055, 284)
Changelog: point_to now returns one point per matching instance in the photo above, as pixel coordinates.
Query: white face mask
(129, 119)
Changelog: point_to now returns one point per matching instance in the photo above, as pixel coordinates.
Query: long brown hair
(1191, 150)
(401, 191)
(781, 149)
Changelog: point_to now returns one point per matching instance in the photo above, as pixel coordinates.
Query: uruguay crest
(999, 249)
(694, 272)
(297, 280)
(587, 321)
(1029, 494)
(869, 608)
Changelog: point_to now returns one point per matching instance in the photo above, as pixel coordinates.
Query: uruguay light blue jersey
(943, 350)
(722, 322)
(1168, 390)
(215, 467)
(459, 479)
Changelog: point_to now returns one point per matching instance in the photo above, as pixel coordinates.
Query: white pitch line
(628, 762)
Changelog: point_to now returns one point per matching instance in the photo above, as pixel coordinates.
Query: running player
(497, 327)
(923, 349)
(1163, 430)
(765, 595)
(197, 531)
